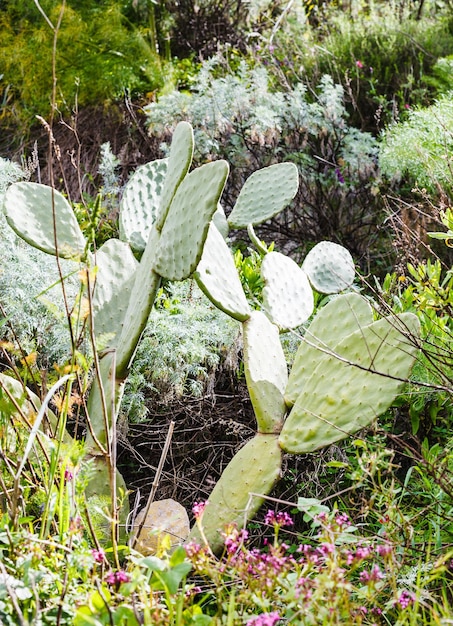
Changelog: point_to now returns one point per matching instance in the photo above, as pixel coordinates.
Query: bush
(240, 118)
(417, 152)
(99, 57)
(383, 57)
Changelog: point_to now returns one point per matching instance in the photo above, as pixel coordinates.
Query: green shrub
(99, 57)
(383, 57)
(419, 149)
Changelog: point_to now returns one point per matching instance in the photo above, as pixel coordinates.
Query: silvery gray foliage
(108, 166)
(218, 107)
(9, 173)
(185, 341)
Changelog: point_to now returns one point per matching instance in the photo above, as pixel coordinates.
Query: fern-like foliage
(185, 341)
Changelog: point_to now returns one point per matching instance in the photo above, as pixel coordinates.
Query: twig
(156, 480)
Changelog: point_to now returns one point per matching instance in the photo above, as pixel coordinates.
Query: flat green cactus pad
(116, 266)
(187, 223)
(265, 193)
(36, 212)
(265, 372)
(345, 394)
(220, 221)
(179, 161)
(140, 203)
(217, 277)
(287, 294)
(339, 318)
(330, 267)
(254, 469)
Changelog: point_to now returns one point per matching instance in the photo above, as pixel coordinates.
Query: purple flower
(198, 509)
(116, 578)
(405, 599)
(342, 518)
(339, 175)
(280, 519)
(265, 619)
(373, 576)
(98, 555)
(68, 475)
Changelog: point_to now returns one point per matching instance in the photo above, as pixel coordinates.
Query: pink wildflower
(359, 64)
(98, 555)
(281, 519)
(116, 578)
(198, 509)
(405, 599)
(265, 619)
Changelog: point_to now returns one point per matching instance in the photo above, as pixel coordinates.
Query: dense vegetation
(356, 96)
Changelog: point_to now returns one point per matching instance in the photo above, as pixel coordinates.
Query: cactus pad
(220, 221)
(217, 277)
(265, 372)
(28, 208)
(287, 294)
(254, 469)
(116, 266)
(330, 267)
(345, 394)
(265, 193)
(140, 203)
(179, 161)
(340, 317)
(187, 223)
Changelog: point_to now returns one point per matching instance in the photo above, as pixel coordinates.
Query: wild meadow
(226, 292)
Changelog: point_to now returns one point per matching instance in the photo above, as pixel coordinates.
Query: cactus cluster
(349, 366)
(347, 371)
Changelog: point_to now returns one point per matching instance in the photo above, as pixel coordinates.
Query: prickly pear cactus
(174, 224)
(265, 372)
(347, 371)
(217, 277)
(352, 384)
(329, 267)
(264, 194)
(140, 203)
(287, 295)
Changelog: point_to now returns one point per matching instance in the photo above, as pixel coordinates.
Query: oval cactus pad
(140, 203)
(218, 278)
(254, 469)
(353, 385)
(330, 267)
(265, 193)
(179, 161)
(37, 213)
(186, 226)
(265, 371)
(116, 266)
(340, 317)
(287, 294)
